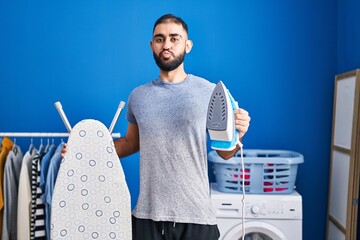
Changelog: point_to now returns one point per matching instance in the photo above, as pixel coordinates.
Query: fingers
(64, 150)
(242, 121)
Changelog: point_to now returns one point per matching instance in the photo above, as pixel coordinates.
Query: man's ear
(188, 46)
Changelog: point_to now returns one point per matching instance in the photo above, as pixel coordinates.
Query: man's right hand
(64, 150)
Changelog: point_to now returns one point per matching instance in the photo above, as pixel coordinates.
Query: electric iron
(220, 119)
(224, 136)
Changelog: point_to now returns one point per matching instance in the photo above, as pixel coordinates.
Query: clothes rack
(67, 125)
(42, 134)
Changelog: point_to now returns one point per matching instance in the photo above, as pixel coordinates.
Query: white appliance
(267, 216)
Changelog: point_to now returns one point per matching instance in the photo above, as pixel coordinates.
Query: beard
(168, 66)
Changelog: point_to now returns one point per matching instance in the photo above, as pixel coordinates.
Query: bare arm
(128, 144)
(124, 146)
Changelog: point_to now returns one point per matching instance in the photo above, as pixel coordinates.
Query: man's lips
(166, 54)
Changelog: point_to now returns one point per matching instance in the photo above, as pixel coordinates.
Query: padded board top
(91, 199)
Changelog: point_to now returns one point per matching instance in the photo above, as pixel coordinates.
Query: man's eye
(174, 39)
(159, 40)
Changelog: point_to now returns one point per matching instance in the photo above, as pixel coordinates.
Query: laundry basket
(266, 171)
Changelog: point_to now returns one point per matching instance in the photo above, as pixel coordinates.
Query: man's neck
(174, 76)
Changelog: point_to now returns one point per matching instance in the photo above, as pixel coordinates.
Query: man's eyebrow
(171, 35)
(175, 35)
(159, 35)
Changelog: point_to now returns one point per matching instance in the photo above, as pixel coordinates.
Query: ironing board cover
(91, 199)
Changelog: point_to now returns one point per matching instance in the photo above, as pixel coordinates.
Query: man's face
(169, 46)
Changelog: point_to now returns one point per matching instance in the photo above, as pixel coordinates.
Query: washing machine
(267, 216)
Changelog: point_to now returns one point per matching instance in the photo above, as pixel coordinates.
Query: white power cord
(243, 189)
(236, 106)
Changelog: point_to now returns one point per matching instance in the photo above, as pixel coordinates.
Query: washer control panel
(262, 206)
(271, 209)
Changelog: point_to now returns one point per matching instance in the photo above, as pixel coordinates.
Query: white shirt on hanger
(24, 201)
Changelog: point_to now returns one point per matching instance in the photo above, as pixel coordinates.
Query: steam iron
(220, 119)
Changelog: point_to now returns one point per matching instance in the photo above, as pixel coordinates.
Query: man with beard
(167, 124)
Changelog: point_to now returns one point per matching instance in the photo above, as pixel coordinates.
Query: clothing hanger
(47, 145)
(14, 148)
(41, 147)
(31, 147)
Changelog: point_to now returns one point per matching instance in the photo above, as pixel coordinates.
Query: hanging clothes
(49, 186)
(11, 185)
(45, 162)
(6, 146)
(39, 171)
(37, 226)
(24, 196)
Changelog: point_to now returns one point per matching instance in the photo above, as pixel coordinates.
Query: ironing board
(91, 199)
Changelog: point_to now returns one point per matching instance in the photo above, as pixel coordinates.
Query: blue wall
(348, 36)
(278, 58)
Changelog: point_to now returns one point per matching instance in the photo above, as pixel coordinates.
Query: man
(167, 124)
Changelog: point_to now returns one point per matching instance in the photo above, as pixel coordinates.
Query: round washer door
(255, 230)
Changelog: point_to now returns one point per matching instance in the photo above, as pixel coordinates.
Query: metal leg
(63, 116)
(117, 114)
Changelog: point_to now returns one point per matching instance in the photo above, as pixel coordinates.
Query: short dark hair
(173, 19)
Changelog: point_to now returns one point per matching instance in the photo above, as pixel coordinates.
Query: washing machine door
(255, 231)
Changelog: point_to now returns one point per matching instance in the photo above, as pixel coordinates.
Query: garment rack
(43, 134)
(67, 125)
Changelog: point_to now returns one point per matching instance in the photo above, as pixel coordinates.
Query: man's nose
(167, 45)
